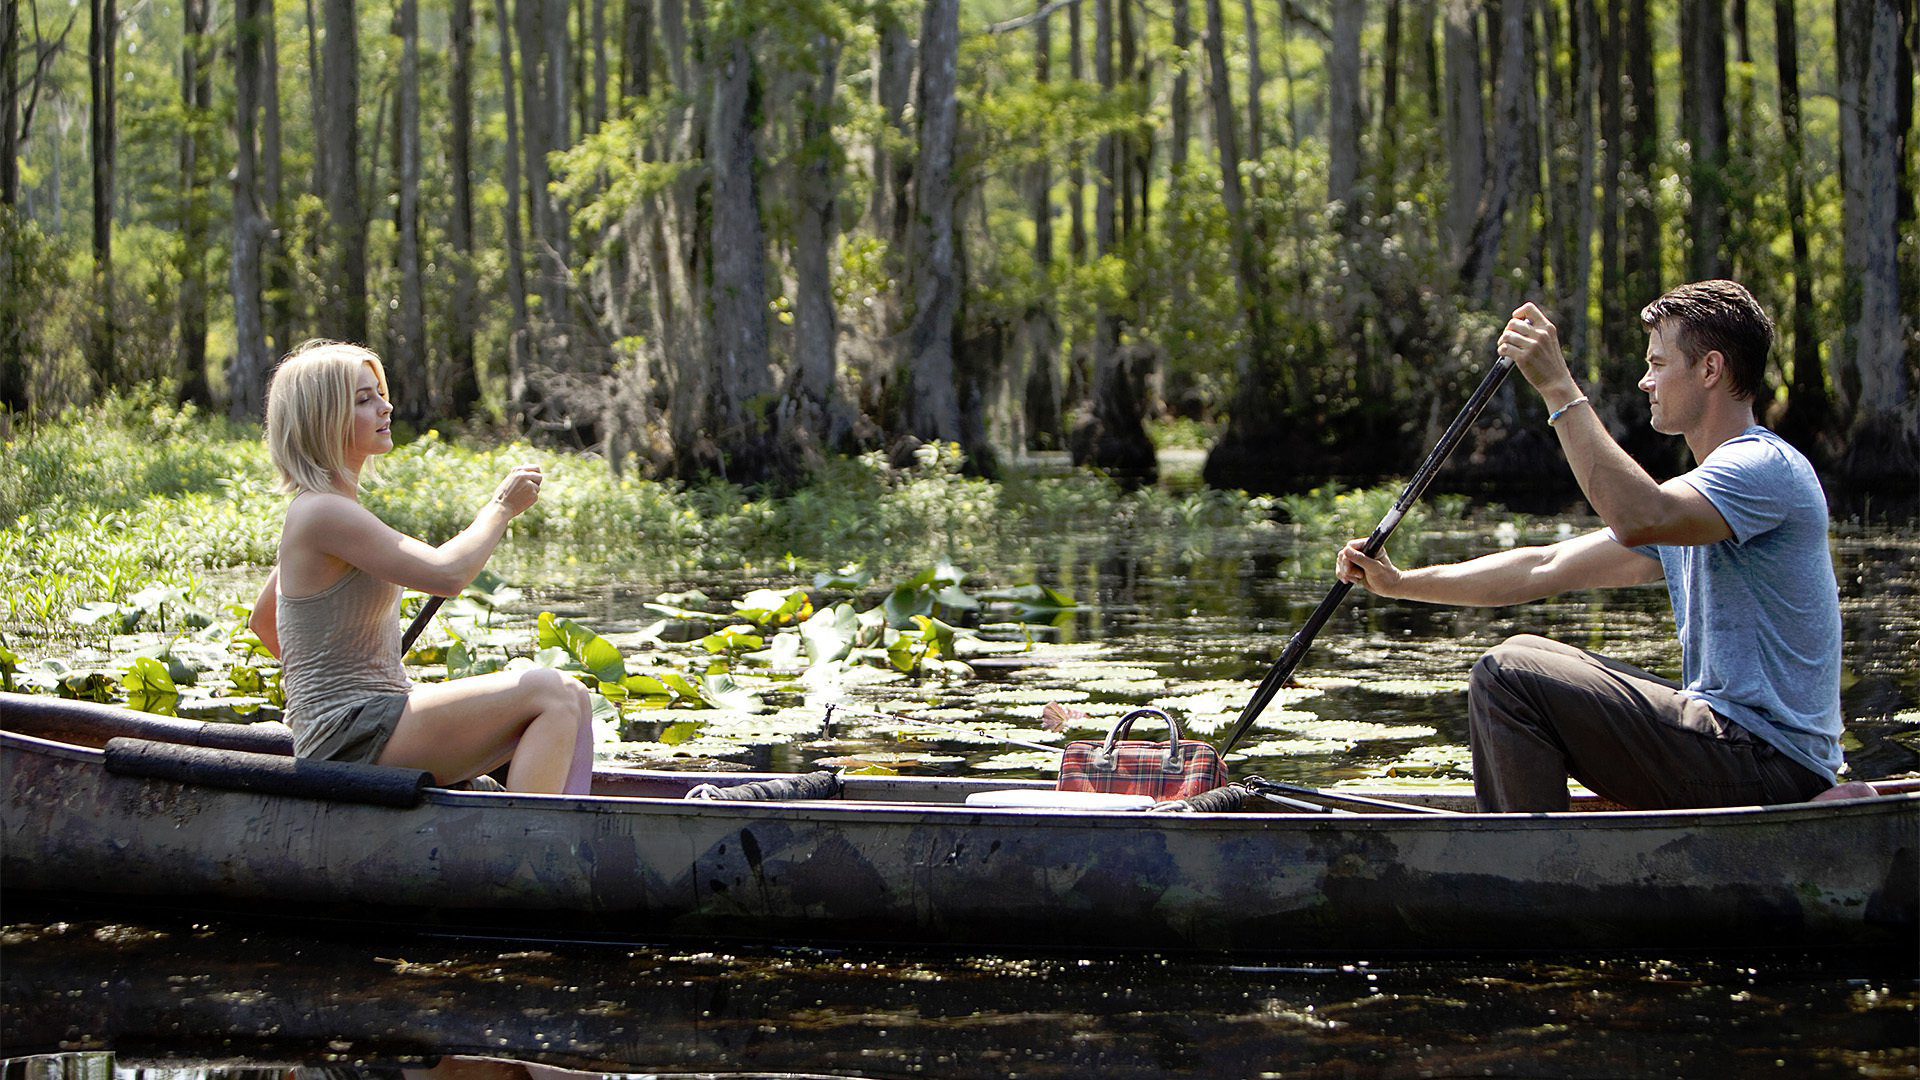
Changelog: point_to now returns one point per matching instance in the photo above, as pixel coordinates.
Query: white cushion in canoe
(1049, 799)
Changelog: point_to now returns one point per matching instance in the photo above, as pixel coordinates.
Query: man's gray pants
(1540, 711)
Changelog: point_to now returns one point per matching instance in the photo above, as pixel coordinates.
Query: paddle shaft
(1296, 649)
(420, 621)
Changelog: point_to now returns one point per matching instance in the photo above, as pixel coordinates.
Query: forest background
(735, 238)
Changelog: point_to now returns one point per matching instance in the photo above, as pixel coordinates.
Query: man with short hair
(1742, 544)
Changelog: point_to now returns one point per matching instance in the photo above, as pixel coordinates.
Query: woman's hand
(520, 490)
(1376, 575)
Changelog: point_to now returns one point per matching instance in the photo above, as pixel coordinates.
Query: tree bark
(247, 374)
(1256, 80)
(1509, 151)
(102, 119)
(1874, 381)
(812, 420)
(1808, 417)
(344, 308)
(742, 389)
(1466, 123)
(1076, 168)
(462, 379)
(408, 375)
(9, 104)
(196, 104)
(520, 330)
(1703, 121)
(893, 171)
(278, 304)
(1343, 106)
(1043, 422)
(932, 400)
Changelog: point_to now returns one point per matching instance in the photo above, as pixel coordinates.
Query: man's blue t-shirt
(1759, 613)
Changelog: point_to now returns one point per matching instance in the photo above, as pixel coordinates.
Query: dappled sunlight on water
(208, 998)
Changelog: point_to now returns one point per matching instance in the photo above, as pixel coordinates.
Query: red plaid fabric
(1140, 768)
(1122, 766)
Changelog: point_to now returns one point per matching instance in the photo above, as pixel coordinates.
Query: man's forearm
(1496, 580)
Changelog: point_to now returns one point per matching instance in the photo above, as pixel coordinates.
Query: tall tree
(1076, 167)
(1809, 411)
(9, 104)
(932, 407)
(1264, 385)
(343, 313)
(1112, 437)
(812, 418)
(512, 232)
(741, 392)
(1040, 331)
(102, 127)
(196, 107)
(1500, 194)
(247, 373)
(1703, 120)
(407, 371)
(1343, 106)
(461, 386)
(1872, 374)
(1466, 122)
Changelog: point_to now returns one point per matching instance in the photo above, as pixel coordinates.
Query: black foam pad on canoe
(814, 785)
(270, 774)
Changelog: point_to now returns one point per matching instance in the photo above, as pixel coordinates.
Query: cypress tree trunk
(102, 119)
(247, 375)
(1703, 119)
(196, 103)
(519, 336)
(1808, 417)
(741, 392)
(1466, 125)
(932, 402)
(812, 419)
(1874, 381)
(407, 371)
(344, 308)
(1041, 331)
(462, 381)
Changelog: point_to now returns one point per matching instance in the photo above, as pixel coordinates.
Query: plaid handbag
(1174, 769)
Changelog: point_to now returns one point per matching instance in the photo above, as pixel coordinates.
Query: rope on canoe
(814, 785)
(1221, 800)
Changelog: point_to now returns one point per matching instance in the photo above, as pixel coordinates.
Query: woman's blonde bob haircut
(310, 412)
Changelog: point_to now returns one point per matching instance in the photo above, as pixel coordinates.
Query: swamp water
(1187, 621)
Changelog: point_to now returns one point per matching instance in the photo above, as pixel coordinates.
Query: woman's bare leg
(537, 718)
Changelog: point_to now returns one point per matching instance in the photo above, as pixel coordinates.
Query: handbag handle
(1125, 725)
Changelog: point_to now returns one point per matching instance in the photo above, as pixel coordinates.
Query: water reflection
(204, 997)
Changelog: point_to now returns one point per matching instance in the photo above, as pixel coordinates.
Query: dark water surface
(1193, 615)
(122, 995)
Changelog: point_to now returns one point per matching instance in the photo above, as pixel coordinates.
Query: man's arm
(1593, 561)
(1638, 509)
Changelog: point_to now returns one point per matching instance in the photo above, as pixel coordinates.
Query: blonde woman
(330, 609)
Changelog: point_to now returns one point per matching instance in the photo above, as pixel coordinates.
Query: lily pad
(1415, 687)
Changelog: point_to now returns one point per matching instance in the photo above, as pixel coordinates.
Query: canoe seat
(269, 774)
(1050, 799)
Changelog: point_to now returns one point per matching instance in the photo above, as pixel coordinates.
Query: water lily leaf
(723, 693)
(91, 612)
(904, 602)
(852, 577)
(937, 635)
(1034, 598)
(784, 650)
(672, 612)
(829, 635)
(768, 607)
(1035, 760)
(591, 651)
(1416, 687)
(736, 638)
(490, 591)
(150, 688)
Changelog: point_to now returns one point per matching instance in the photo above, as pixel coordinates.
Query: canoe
(102, 802)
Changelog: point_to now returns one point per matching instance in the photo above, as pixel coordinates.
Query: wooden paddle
(419, 623)
(1296, 649)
